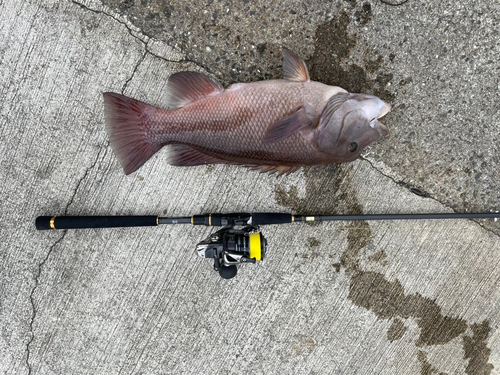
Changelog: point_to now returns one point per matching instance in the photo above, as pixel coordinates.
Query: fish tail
(126, 120)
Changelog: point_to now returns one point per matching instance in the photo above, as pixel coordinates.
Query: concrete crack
(32, 300)
(42, 263)
(135, 69)
(108, 15)
(145, 42)
(87, 171)
(423, 194)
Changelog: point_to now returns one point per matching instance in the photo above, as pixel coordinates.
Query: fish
(272, 125)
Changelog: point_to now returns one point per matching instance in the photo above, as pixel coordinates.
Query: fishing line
(392, 4)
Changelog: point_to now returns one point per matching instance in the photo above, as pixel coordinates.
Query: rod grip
(263, 218)
(79, 222)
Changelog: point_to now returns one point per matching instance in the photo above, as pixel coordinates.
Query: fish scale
(239, 136)
(275, 125)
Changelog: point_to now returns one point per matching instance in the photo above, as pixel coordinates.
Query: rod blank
(484, 215)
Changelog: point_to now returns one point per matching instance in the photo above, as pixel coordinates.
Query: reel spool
(229, 247)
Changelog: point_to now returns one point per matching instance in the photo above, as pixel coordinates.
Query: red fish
(275, 125)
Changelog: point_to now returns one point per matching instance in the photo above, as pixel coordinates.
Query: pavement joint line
(32, 300)
(403, 184)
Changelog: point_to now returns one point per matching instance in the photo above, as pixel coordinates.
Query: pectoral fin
(287, 126)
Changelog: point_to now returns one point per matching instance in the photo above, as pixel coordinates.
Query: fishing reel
(229, 247)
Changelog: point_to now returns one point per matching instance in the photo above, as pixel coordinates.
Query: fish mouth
(377, 125)
(384, 110)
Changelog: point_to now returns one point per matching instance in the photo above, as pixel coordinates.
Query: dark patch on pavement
(476, 351)
(358, 236)
(239, 41)
(326, 191)
(396, 330)
(329, 191)
(387, 300)
(364, 16)
(313, 242)
(415, 190)
(333, 45)
(379, 257)
(425, 366)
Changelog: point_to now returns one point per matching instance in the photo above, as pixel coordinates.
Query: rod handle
(79, 222)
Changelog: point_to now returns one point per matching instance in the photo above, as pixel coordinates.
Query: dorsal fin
(294, 69)
(187, 87)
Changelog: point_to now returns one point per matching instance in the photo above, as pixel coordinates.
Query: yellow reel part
(254, 244)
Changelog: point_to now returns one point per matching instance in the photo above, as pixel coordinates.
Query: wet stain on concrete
(425, 366)
(379, 257)
(325, 191)
(302, 344)
(387, 300)
(368, 289)
(358, 236)
(476, 351)
(365, 15)
(329, 191)
(325, 65)
(313, 242)
(396, 330)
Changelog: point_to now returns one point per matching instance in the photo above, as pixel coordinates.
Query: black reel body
(229, 247)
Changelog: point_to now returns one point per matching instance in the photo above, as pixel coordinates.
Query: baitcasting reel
(229, 247)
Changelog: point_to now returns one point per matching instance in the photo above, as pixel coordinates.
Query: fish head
(349, 123)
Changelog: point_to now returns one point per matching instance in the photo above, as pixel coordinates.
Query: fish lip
(384, 110)
(379, 127)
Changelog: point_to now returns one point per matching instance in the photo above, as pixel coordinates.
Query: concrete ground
(414, 297)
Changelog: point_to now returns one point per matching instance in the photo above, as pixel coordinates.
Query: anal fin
(184, 155)
(280, 169)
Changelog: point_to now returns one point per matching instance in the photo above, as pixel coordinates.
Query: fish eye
(353, 147)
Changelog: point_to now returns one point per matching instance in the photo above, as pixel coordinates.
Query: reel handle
(79, 222)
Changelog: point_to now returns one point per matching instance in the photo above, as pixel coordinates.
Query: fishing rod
(229, 246)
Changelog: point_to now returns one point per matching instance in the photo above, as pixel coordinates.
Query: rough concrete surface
(331, 298)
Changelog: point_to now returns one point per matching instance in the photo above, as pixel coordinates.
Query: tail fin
(125, 124)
